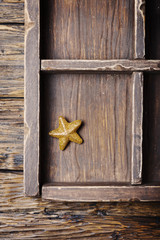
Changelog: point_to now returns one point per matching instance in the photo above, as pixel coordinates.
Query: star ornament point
(67, 132)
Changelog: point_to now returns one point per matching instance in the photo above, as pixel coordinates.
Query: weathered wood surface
(102, 157)
(31, 218)
(137, 126)
(11, 12)
(11, 134)
(100, 193)
(11, 60)
(101, 66)
(87, 29)
(139, 42)
(32, 98)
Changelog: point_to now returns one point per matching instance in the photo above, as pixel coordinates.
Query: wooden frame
(32, 97)
(136, 67)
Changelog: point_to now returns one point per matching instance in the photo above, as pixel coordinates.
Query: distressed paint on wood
(101, 65)
(151, 144)
(32, 98)
(151, 152)
(137, 119)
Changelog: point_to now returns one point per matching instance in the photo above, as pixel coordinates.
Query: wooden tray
(85, 60)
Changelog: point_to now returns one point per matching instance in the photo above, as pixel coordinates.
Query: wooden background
(31, 218)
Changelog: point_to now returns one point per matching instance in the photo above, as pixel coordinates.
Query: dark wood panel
(103, 102)
(11, 81)
(87, 29)
(151, 165)
(152, 29)
(151, 152)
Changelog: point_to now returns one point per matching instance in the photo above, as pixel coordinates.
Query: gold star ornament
(67, 132)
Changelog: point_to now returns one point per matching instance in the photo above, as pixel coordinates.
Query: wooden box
(85, 59)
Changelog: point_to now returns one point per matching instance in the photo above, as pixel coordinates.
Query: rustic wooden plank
(105, 154)
(11, 134)
(100, 193)
(101, 65)
(137, 127)
(12, 1)
(11, 12)
(12, 39)
(11, 61)
(14, 60)
(12, 200)
(32, 98)
(139, 29)
(11, 81)
(29, 218)
(87, 29)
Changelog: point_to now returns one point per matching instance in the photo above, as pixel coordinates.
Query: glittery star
(67, 132)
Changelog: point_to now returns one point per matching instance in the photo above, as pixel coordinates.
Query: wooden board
(100, 65)
(87, 29)
(100, 193)
(32, 98)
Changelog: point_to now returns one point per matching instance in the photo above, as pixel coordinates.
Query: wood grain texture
(29, 218)
(32, 98)
(12, 40)
(139, 29)
(100, 193)
(87, 29)
(11, 60)
(11, 12)
(11, 81)
(137, 127)
(14, 60)
(103, 103)
(11, 134)
(101, 66)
